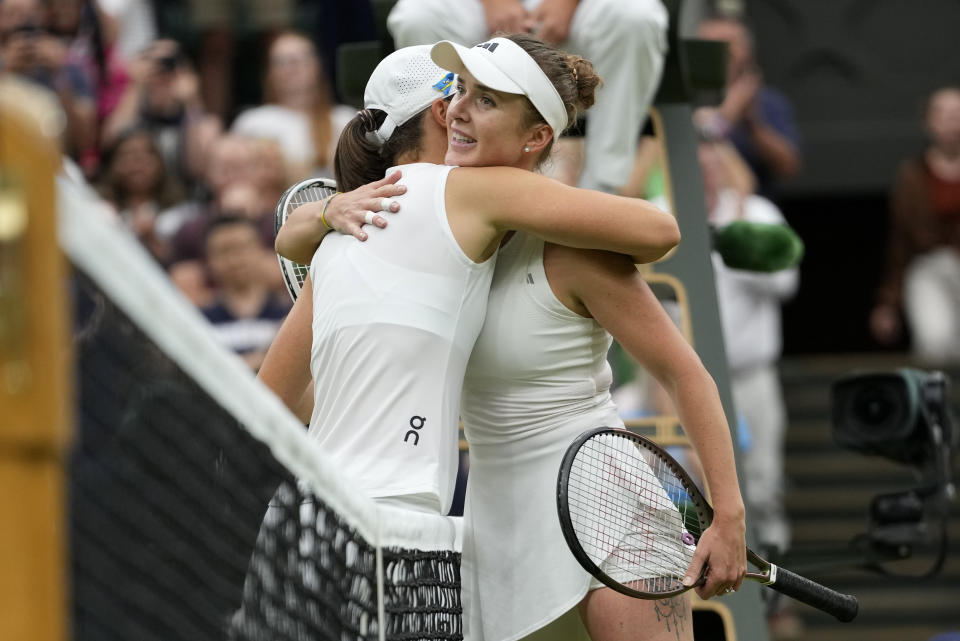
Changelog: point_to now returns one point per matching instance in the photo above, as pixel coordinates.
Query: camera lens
(872, 409)
(873, 405)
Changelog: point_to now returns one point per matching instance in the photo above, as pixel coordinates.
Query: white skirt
(518, 573)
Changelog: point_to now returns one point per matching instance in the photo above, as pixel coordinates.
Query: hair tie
(366, 117)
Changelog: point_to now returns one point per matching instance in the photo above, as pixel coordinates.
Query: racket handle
(842, 606)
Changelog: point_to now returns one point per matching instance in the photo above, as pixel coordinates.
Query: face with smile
(490, 128)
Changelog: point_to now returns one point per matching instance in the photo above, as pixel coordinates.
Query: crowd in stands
(156, 121)
(192, 171)
(193, 166)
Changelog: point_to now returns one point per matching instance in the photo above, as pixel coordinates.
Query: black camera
(904, 416)
(901, 415)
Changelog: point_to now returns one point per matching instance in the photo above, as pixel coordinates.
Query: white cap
(404, 83)
(503, 65)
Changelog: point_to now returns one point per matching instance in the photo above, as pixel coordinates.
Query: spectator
(30, 50)
(626, 41)
(216, 21)
(245, 313)
(299, 113)
(163, 96)
(135, 181)
(750, 317)
(89, 36)
(245, 178)
(757, 118)
(923, 251)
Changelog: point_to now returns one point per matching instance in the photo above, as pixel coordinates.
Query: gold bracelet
(324, 211)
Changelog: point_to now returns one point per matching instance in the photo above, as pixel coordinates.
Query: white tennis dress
(395, 319)
(538, 377)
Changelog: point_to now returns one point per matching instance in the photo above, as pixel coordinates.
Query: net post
(35, 385)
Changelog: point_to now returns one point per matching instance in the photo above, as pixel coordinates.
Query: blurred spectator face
(270, 168)
(17, 13)
(26, 44)
(162, 62)
(738, 40)
(292, 67)
(943, 119)
(231, 161)
(137, 165)
(241, 199)
(64, 16)
(233, 254)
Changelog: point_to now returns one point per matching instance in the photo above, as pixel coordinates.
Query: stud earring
(526, 150)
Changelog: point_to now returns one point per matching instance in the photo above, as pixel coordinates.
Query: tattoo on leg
(674, 613)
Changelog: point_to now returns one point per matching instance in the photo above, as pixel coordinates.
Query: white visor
(503, 65)
(404, 83)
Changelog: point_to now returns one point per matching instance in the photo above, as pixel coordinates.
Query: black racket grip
(842, 606)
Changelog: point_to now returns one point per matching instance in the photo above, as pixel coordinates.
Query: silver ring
(385, 204)
(368, 217)
(729, 591)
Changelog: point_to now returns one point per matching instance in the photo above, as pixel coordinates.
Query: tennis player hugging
(497, 281)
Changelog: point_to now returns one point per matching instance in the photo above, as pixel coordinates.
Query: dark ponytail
(361, 159)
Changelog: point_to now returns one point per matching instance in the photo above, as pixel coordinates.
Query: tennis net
(179, 451)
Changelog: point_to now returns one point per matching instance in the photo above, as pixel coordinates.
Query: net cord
(123, 269)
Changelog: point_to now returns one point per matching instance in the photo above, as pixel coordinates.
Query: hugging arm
(304, 229)
(615, 294)
(504, 198)
(484, 202)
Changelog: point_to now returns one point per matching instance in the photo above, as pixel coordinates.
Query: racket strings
(625, 509)
(294, 273)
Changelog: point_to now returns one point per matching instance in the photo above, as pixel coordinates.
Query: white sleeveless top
(538, 378)
(394, 321)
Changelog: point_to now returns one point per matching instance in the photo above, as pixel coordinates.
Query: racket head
(629, 512)
(300, 193)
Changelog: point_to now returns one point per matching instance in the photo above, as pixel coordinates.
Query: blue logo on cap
(489, 46)
(445, 84)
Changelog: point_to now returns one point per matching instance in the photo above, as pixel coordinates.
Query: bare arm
(484, 202)
(286, 366)
(612, 291)
(303, 230)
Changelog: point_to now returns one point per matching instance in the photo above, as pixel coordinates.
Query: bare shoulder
(579, 276)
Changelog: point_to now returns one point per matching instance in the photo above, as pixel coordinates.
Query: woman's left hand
(722, 549)
(348, 212)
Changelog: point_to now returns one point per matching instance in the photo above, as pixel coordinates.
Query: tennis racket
(306, 191)
(632, 518)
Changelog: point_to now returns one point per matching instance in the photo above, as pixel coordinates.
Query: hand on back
(348, 212)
